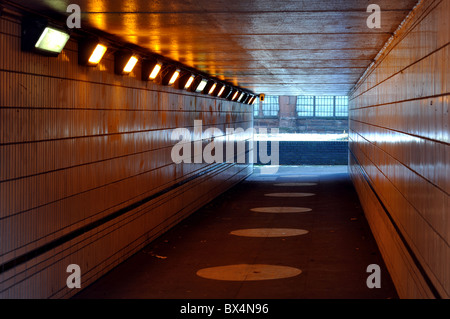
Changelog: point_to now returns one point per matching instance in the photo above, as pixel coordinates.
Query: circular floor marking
(281, 209)
(289, 194)
(269, 232)
(295, 184)
(247, 272)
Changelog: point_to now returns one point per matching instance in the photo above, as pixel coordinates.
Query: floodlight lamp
(174, 77)
(221, 91)
(201, 86)
(213, 87)
(155, 71)
(189, 82)
(38, 36)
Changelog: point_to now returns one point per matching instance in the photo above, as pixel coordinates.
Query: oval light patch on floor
(295, 184)
(248, 272)
(269, 232)
(281, 209)
(289, 194)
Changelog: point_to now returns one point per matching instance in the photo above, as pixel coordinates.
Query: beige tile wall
(78, 144)
(399, 141)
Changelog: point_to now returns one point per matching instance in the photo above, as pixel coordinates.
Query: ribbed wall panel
(400, 151)
(79, 145)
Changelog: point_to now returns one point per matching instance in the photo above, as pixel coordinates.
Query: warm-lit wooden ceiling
(272, 47)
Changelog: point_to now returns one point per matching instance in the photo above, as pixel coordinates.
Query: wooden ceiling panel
(272, 47)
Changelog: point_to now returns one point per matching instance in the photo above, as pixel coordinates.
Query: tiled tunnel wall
(86, 171)
(399, 152)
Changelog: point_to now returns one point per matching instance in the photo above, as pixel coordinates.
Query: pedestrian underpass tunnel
(224, 149)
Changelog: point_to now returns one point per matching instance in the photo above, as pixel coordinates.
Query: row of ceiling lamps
(38, 36)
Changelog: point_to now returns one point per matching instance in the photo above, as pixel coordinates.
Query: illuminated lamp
(39, 36)
(174, 76)
(90, 52)
(189, 82)
(151, 69)
(220, 89)
(124, 62)
(169, 74)
(185, 81)
(212, 89)
(201, 86)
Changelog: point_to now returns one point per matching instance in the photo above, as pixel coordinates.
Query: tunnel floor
(242, 245)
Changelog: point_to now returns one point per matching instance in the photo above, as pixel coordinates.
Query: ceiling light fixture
(124, 62)
(221, 91)
(213, 87)
(130, 65)
(174, 77)
(189, 82)
(52, 40)
(151, 68)
(38, 36)
(155, 71)
(169, 74)
(98, 53)
(90, 52)
(201, 85)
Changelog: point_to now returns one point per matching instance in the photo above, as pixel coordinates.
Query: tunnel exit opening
(310, 130)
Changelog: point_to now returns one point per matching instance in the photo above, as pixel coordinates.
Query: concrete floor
(332, 256)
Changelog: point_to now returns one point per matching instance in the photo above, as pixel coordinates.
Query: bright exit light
(221, 91)
(155, 71)
(174, 77)
(241, 96)
(189, 82)
(97, 55)
(201, 86)
(52, 40)
(130, 65)
(235, 95)
(212, 88)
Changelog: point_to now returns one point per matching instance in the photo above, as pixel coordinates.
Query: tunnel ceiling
(272, 47)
